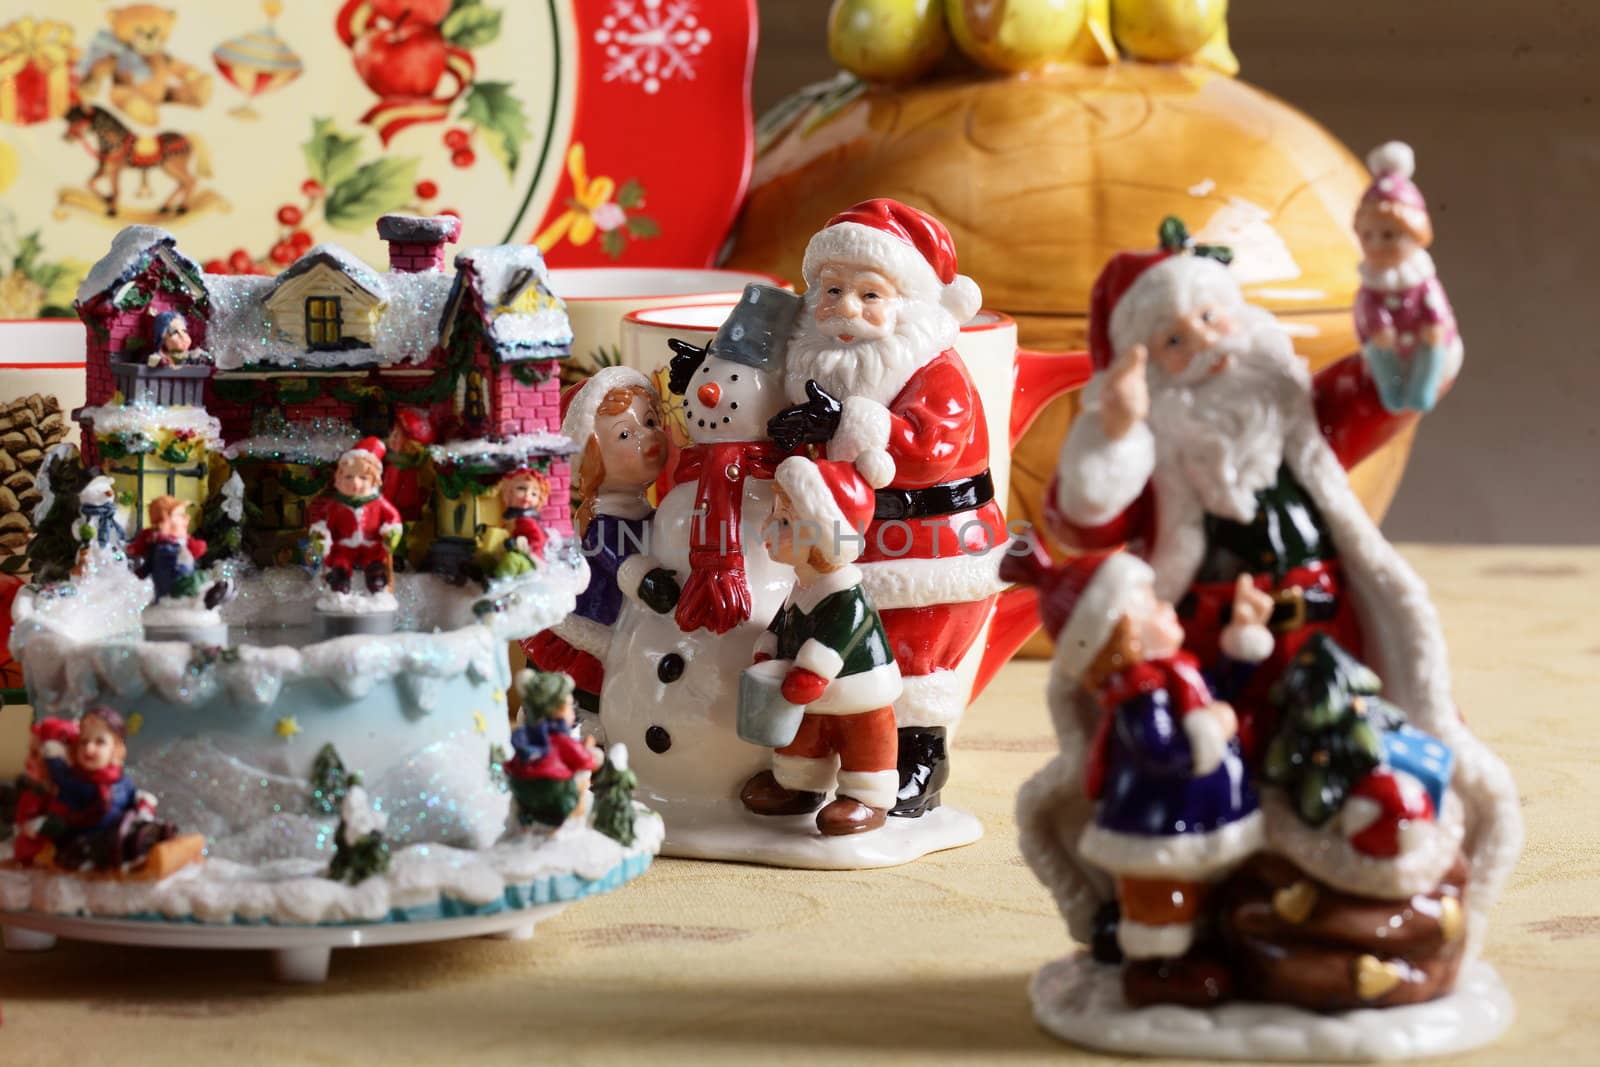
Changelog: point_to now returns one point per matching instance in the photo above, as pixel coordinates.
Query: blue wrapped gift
(1422, 756)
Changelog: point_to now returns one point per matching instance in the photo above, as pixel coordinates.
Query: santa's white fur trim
(1146, 941)
(863, 430)
(913, 583)
(936, 699)
(962, 298)
(1096, 477)
(808, 491)
(900, 262)
(1186, 857)
(578, 425)
(1247, 644)
(1177, 283)
(819, 659)
(1325, 854)
(585, 635)
(1207, 743)
(1392, 157)
(875, 789)
(1100, 607)
(807, 775)
(632, 572)
(865, 691)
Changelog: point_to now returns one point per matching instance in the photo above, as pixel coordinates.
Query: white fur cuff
(875, 789)
(1096, 477)
(1247, 644)
(1101, 605)
(1147, 941)
(863, 429)
(804, 774)
(819, 659)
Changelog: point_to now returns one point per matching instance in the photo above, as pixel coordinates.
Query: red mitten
(801, 686)
(762, 657)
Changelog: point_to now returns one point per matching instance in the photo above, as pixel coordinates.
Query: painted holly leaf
(376, 188)
(630, 194)
(470, 24)
(643, 226)
(499, 118)
(612, 243)
(331, 157)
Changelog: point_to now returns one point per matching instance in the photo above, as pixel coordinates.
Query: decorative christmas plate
(254, 131)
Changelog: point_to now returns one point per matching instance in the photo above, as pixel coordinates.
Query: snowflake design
(648, 42)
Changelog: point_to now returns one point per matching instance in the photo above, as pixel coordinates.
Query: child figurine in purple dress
(1407, 328)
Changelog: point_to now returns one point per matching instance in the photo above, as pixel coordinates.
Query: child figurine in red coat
(34, 790)
(360, 528)
(551, 767)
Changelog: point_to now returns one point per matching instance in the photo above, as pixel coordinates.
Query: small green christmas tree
(329, 781)
(613, 787)
(360, 849)
(1329, 728)
(222, 521)
(54, 548)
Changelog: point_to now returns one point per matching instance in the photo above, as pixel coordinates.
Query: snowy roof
(509, 454)
(419, 229)
(129, 255)
(498, 275)
(147, 420)
(340, 260)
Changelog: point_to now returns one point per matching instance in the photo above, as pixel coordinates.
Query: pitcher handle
(1040, 378)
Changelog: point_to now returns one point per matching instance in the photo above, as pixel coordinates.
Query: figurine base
(196, 634)
(1080, 1000)
(331, 624)
(792, 841)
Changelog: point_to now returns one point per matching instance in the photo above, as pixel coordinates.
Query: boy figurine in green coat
(839, 666)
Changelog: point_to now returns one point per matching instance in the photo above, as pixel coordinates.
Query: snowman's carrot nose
(709, 394)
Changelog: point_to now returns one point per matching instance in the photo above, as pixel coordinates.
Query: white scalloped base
(731, 833)
(1080, 1001)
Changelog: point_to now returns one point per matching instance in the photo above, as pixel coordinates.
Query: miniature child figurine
(545, 772)
(1176, 810)
(173, 345)
(166, 554)
(1405, 322)
(34, 791)
(523, 493)
(360, 528)
(615, 420)
(839, 664)
(405, 461)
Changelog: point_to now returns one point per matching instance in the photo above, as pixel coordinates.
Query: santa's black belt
(1293, 606)
(946, 498)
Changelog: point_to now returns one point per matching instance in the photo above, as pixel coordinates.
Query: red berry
(216, 266)
(463, 157)
(283, 253)
(311, 188)
(457, 139)
(289, 215)
(427, 190)
(241, 262)
(300, 240)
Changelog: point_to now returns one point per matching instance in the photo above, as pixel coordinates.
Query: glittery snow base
(1079, 1000)
(424, 882)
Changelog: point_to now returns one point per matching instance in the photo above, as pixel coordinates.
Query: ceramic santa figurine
(355, 538)
(827, 655)
(1403, 317)
(615, 420)
(873, 378)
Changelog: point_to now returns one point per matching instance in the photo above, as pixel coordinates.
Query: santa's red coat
(355, 533)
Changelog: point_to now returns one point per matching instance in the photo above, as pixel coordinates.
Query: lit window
(322, 322)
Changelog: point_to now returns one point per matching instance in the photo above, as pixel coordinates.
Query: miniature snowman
(670, 690)
(98, 526)
(356, 536)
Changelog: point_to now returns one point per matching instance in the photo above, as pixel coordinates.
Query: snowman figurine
(671, 680)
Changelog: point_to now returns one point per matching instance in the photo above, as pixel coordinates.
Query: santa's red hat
(367, 447)
(1137, 291)
(579, 406)
(1094, 593)
(415, 424)
(833, 497)
(1387, 813)
(909, 247)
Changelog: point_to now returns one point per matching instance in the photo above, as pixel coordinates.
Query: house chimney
(416, 242)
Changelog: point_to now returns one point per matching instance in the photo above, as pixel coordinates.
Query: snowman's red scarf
(717, 594)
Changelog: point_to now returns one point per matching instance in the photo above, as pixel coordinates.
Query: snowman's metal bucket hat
(756, 331)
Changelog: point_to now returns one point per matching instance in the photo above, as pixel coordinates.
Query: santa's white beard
(1226, 432)
(876, 369)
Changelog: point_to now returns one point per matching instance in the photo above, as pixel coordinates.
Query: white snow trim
(359, 816)
(180, 611)
(1247, 644)
(805, 774)
(915, 583)
(937, 699)
(1096, 477)
(322, 442)
(357, 603)
(1328, 856)
(1392, 158)
(633, 571)
(1207, 743)
(515, 450)
(578, 426)
(819, 659)
(1187, 857)
(127, 246)
(1101, 605)
(863, 434)
(833, 536)
(1144, 941)
(585, 635)
(875, 789)
(47, 495)
(148, 420)
(854, 693)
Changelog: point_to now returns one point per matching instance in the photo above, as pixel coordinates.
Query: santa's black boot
(377, 577)
(924, 768)
(338, 579)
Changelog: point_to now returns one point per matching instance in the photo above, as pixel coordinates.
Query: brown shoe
(847, 815)
(764, 796)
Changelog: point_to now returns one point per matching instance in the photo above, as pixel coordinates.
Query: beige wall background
(1501, 99)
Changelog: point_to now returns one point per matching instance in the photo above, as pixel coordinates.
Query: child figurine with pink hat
(1407, 328)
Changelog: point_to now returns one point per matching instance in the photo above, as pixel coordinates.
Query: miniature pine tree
(54, 548)
(329, 781)
(222, 522)
(613, 788)
(360, 849)
(1329, 728)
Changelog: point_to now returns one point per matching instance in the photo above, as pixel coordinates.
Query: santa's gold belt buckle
(1294, 598)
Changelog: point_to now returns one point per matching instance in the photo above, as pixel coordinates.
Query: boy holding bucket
(822, 690)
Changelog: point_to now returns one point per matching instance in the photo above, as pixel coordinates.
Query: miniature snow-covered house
(454, 368)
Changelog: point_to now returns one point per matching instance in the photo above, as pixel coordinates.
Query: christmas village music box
(283, 701)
